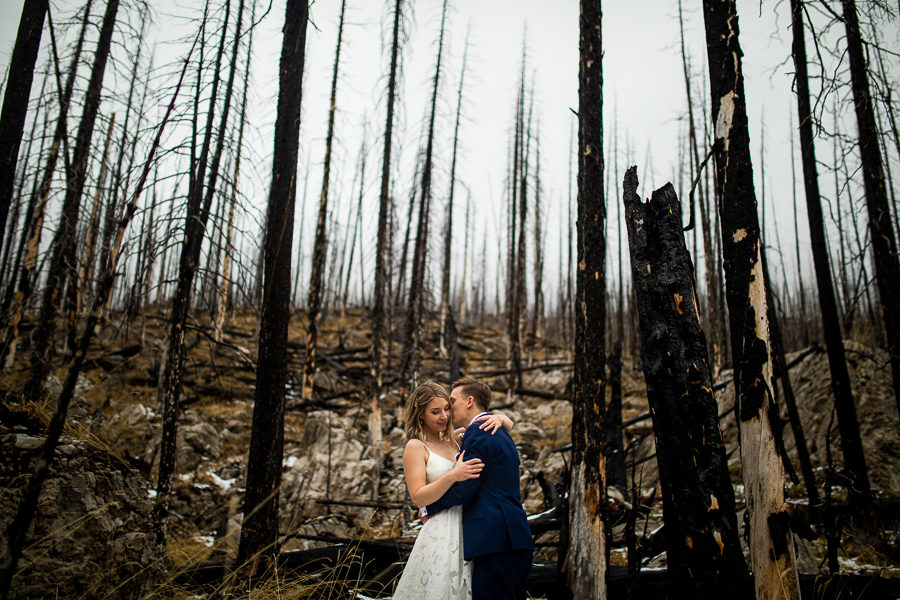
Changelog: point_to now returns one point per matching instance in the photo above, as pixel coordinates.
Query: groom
(496, 535)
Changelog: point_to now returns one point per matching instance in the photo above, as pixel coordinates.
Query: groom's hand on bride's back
(466, 469)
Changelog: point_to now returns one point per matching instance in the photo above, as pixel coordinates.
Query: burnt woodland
(234, 237)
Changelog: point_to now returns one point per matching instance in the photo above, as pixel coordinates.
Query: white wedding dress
(436, 569)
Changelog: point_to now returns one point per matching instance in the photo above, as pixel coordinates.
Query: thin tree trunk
(172, 371)
(314, 302)
(448, 228)
(584, 558)
(851, 444)
(63, 252)
(15, 98)
(884, 245)
(414, 317)
(382, 274)
(18, 527)
(259, 533)
(771, 541)
(537, 323)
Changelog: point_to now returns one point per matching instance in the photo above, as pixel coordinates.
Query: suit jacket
(493, 517)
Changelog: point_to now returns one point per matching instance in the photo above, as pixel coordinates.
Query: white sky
(643, 91)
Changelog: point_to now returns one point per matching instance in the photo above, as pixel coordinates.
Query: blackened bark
(172, 371)
(15, 98)
(771, 549)
(314, 301)
(414, 318)
(448, 228)
(615, 446)
(259, 532)
(379, 307)
(62, 261)
(702, 539)
(851, 444)
(884, 245)
(585, 557)
(18, 528)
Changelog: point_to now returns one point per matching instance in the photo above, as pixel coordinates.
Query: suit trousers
(501, 576)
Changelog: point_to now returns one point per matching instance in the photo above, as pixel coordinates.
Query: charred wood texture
(771, 550)
(63, 253)
(884, 245)
(259, 531)
(702, 540)
(584, 565)
(15, 98)
(837, 362)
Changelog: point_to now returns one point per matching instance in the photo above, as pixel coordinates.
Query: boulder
(91, 536)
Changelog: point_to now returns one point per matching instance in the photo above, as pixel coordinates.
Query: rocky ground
(93, 533)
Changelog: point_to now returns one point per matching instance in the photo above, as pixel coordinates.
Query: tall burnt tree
(584, 565)
(316, 278)
(15, 99)
(15, 534)
(63, 253)
(884, 245)
(19, 294)
(703, 549)
(771, 544)
(448, 227)
(415, 305)
(382, 275)
(259, 532)
(198, 209)
(851, 444)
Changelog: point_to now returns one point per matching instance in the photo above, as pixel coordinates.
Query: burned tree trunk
(15, 98)
(584, 562)
(884, 245)
(382, 275)
(702, 540)
(448, 228)
(837, 362)
(771, 541)
(62, 260)
(414, 324)
(172, 371)
(317, 275)
(615, 447)
(259, 532)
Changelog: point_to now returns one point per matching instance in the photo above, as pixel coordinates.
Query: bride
(436, 569)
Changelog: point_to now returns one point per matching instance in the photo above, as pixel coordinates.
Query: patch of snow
(151, 493)
(289, 462)
(207, 540)
(225, 484)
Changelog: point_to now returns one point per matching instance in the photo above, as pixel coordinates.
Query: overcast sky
(644, 94)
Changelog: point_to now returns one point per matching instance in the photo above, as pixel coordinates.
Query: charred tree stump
(702, 542)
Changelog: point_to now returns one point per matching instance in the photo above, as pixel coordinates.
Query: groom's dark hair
(481, 392)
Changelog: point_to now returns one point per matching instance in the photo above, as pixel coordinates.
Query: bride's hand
(492, 423)
(466, 469)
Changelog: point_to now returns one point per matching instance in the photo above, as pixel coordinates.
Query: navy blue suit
(496, 535)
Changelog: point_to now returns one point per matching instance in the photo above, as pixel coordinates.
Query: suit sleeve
(476, 445)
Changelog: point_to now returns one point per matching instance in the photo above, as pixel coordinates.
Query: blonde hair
(415, 406)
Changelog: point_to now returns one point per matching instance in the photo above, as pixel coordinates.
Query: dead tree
(198, 208)
(15, 98)
(537, 322)
(884, 245)
(15, 534)
(63, 252)
(415, 306)
(851, 444)
(584, 557)
(771, 541)
(382, 275)
(448, 228)
(314, 302)
(259, 532)
(702, 539)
